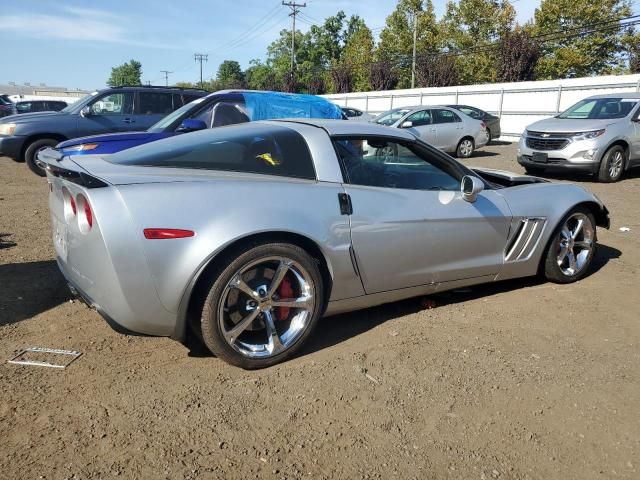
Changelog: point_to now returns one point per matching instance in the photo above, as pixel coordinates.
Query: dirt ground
(519, 380)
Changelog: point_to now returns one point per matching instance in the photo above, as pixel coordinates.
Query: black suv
(118, 109)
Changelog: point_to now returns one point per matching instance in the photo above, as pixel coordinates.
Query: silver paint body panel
(405, 242)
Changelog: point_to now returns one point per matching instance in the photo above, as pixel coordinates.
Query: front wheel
(612, 164)
(263, 306)
(572, 247)
(465, 148)
(31, 154)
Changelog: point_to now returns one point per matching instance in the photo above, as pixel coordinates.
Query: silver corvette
(246, 235)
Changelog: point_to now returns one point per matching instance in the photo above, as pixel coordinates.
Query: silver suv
(599, 135)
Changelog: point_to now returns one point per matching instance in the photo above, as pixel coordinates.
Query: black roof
(161, 87)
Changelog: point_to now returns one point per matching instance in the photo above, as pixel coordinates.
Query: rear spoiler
(48, 159)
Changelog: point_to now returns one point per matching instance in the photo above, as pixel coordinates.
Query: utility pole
(166, 77)
(200, 57)
(295, 9)
(415, 38)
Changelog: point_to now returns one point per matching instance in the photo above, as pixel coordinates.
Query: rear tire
(612, 164)
(33, 149)
(571, 248)
(489, 137)
(239, 323)
(465, 148)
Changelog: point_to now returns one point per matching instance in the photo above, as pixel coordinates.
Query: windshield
(392, 116)
(77, 105)
(172, 117)
(600, 108)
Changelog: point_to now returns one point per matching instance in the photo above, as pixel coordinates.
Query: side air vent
(524, 239)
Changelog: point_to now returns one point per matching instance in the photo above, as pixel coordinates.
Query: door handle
(129, 120)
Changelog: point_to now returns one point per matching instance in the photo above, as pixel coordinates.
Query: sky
(74, 43)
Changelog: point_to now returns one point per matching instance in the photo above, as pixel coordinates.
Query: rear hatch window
(250, 148)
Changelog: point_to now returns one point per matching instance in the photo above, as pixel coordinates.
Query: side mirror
(407, 124)
(86, 111)
(191, 125)
(471, 187)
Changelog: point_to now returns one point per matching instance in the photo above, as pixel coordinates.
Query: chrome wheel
(615, 164)
(465, 148)
(575, 244)
(266, 306)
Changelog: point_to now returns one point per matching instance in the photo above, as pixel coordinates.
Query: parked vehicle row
(327, 216)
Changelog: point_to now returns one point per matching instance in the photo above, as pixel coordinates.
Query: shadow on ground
(28, 289)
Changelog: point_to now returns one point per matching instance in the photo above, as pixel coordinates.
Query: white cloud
(80, 24)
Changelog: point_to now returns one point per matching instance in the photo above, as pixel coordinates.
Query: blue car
(221, 108)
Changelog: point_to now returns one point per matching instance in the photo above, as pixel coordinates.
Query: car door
(410, 225)
(422, 126)
(111, 112)
(449, 128)
(151, 107)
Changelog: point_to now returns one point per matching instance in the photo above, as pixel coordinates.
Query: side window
(378, 162)
(23, 107)
(256, 149)
(418, 119)
(445, 116)
(225, 113)
(113, 104)
(154, 103)
(204, 115)
(472, 112)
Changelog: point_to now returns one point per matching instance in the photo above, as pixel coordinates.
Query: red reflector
(163, 233)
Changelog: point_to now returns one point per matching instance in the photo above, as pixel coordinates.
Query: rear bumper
(12, 146)
(80, 295)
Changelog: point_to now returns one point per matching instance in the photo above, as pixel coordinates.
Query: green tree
(569, 45)
(358, 53)
(396, 39)
(230, 75)
(126, 74)
(260, 76)
(475, 27)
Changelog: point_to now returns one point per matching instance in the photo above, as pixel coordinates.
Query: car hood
(31, 117)
(556, 125)
(141, 137)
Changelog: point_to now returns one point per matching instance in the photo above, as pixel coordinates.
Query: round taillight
(88, 214)
(74, 209)
(85, 217)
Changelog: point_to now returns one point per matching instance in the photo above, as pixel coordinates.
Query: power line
(295, 10)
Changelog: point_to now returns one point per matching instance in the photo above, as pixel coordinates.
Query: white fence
(517, 104)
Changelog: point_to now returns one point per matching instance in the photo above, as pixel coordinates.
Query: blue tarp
(272, 105)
